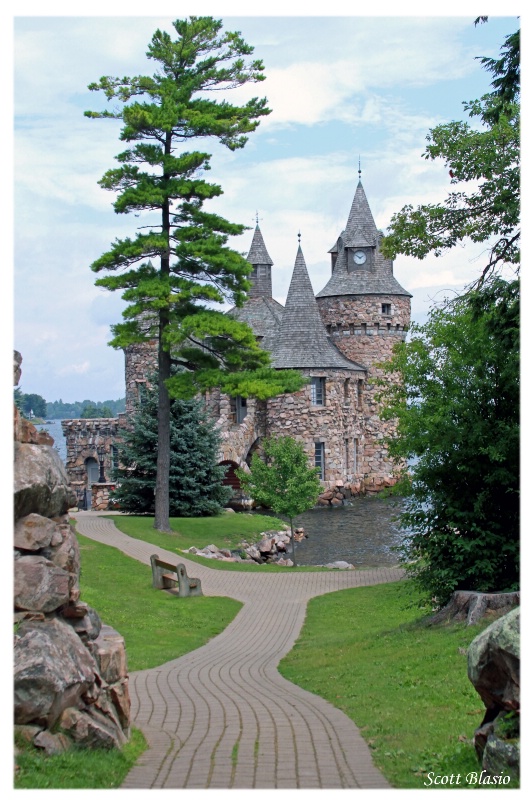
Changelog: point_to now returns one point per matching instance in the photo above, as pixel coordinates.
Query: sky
(343, 90)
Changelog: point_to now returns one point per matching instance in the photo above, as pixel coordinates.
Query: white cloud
(74, 369)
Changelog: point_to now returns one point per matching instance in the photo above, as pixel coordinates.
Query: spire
(360, 230)
(258, 253)
(302, 340)
(376, 276)
(261, 260)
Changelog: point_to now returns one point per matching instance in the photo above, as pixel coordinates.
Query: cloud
(74, 369)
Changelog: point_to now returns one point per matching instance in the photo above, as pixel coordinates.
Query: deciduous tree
(282, 479)
(457, 405)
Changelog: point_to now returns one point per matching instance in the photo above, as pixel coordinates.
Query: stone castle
(335, 338)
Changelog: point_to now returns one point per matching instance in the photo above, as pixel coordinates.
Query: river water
(363, 533)
(55, 430)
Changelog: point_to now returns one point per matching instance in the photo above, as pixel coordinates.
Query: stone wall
(141, 361)
(71, 683)
(88, 439)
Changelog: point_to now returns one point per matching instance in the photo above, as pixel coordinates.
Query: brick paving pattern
(222, 717)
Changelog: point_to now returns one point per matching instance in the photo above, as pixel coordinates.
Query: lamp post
(101, 455)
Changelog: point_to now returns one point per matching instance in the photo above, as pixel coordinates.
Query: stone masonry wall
(86, 438)
(365, 335)
(140, 363)
(340, 424)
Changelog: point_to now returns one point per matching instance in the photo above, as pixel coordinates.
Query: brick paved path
(222, 716)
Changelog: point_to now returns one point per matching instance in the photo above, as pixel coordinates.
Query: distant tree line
(33, 405)
(84, 409)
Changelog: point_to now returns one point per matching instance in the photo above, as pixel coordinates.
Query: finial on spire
(299, 237)
(359, 167)
(257, 218)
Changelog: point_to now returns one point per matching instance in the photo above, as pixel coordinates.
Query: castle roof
(361, 231)
(262, 314)
(258, 253)
(302, 341)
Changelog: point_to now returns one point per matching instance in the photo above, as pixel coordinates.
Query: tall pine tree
(195, 479)
(173, 272)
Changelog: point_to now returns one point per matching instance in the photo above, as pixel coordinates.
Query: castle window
(354, 456)
(346, 389)
(320, 459)
(317, 388)
(346, 455)
(262, 271)
(360, 394)
(386, 308)
(241, 409)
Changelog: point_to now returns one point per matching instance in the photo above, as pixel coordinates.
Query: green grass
(77, 769)
(405, 685)
(225, 531)
(157, 627)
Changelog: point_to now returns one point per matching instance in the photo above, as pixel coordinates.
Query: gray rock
(52, 743)
(65, 553)
(501, 757)
(91, 728)
(339, 565)
(88, 626)
(40, 482)
(34, 532)
(40, 585)
(494, 663)
(53, 670)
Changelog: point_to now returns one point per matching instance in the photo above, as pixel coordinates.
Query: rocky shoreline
(272, 548)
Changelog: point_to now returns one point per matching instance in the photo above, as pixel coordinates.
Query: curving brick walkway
(222, 716)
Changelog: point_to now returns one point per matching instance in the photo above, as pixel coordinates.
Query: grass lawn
(227, 530)
(157, 627)
(405, 685)
(77, 769)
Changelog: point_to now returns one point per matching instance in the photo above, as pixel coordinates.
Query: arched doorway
(231, 479)
(93, 473)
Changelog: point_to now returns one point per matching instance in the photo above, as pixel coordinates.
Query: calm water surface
(56, 432)
(364, 533)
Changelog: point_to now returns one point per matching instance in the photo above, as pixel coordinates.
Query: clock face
(360, 257)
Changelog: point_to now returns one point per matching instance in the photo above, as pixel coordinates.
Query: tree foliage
(172, 272)
(457, 405)
(91, 411)
(282, 480)
(483, 160)
(458, 420)
(30, 404)
(196, 480)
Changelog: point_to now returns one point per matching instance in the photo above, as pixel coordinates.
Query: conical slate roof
(258, 253)
(302, 341)
(361, 231)
(262, 314)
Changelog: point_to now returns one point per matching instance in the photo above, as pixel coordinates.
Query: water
(56, 432)
(363, 533)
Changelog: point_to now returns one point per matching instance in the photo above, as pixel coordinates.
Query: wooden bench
(170, 576)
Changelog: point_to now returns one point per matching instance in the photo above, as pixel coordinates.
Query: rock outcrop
(494, 670)
(71, 682)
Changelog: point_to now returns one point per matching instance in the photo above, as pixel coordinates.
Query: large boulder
(40, 585)
(494, 670)
(35, 531)
(53, 671)
(41, 482)
(494, 663)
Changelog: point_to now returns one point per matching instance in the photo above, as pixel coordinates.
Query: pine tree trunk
(162, 486)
